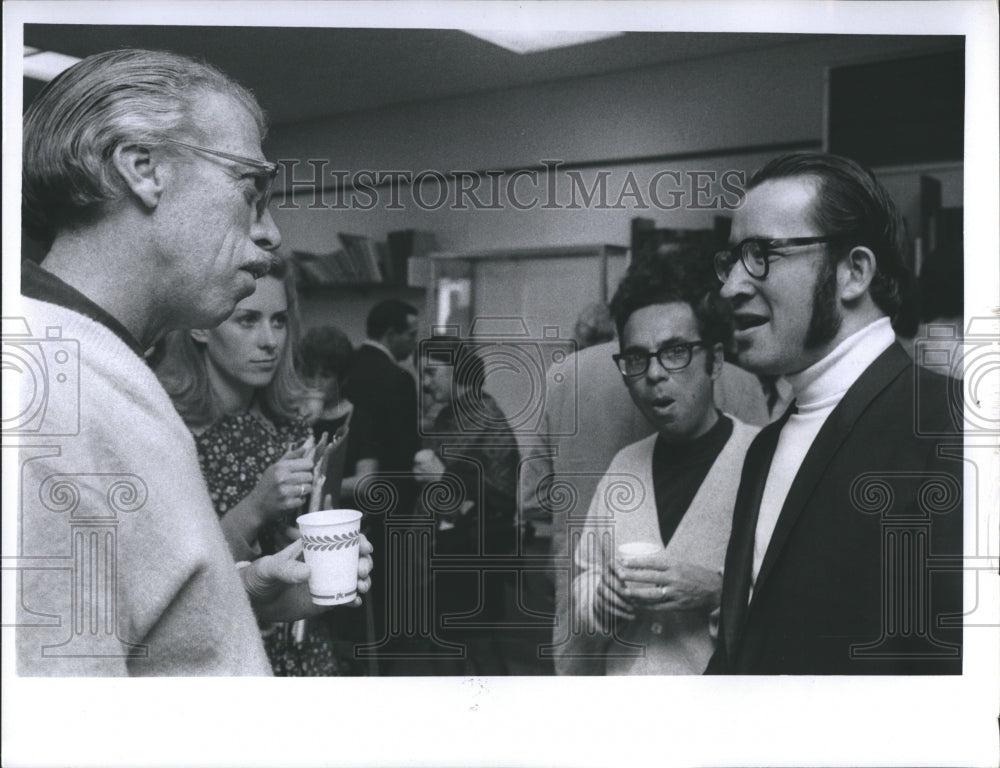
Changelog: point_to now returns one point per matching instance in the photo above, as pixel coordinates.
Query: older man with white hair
(144, 176)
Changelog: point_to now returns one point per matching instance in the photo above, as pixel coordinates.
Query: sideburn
(825, 321)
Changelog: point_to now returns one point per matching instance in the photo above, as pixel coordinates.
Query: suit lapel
(739, 555)
(831, 436)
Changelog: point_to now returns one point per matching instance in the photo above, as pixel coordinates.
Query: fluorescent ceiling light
(45, 65)
(535, 40)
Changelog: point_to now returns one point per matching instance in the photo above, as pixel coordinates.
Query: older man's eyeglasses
(756, 253)
(263, 178)
(675, 357)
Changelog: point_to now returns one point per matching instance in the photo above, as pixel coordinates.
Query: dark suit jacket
(855, 579)
(384, 427)
(387, 395)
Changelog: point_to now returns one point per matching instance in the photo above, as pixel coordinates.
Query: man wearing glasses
(143, 177)
(673, 491)
(842, 504)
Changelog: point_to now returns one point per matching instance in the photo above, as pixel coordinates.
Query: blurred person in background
(593, 326)
(470, 444)
(384, 432)
(326, 357)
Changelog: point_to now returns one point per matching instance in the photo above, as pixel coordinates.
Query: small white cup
(313, 404)
(638, 549)
(331, 540)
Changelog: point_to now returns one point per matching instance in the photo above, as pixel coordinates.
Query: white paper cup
(331, 540)
(638, 549)
(313, 403)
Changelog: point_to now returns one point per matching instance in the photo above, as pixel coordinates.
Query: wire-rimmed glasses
(263, 179)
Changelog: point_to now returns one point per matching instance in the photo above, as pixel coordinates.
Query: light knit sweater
(123, 569)
(623, 510)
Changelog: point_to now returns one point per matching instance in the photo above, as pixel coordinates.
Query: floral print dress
(234, 452)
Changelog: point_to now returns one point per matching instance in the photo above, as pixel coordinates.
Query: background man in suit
(815, 274)
(381, 388)
(385, 432)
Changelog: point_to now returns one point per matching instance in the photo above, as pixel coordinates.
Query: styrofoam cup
(331, 540)
(638, 549)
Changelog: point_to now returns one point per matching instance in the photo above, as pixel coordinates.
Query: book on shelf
(402, 246)
(363, 261)
(317, 268)
(362, 258)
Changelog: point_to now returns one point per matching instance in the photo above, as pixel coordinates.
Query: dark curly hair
(676, 274)
(325, 351)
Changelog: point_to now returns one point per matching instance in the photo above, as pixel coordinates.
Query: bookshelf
(340, 287)
(363, 262)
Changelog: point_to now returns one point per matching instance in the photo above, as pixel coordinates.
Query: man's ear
(141, 172)
(718, 358)
(199, 335)
(855, 273)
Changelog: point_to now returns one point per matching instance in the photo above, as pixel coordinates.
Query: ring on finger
(663, 592)
(302, 490)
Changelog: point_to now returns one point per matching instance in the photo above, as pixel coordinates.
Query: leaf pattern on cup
(326, 543)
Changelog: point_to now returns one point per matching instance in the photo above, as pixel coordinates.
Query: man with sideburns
(843, 506)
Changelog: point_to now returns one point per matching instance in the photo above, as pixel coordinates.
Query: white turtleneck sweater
(816, 390)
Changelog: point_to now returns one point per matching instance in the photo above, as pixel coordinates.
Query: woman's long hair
(185, 377)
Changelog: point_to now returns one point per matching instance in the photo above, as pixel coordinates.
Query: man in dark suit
(384, 391)
(847, 532)
(383, 437)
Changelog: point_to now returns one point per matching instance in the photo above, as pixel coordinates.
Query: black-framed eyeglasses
(756, 254)
(675, 357)
(263, 179)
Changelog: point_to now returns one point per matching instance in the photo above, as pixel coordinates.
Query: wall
(707, 114)
(661, 140)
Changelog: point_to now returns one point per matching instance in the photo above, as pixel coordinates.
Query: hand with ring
(282, 487)
(657, 582)
(284, 484)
